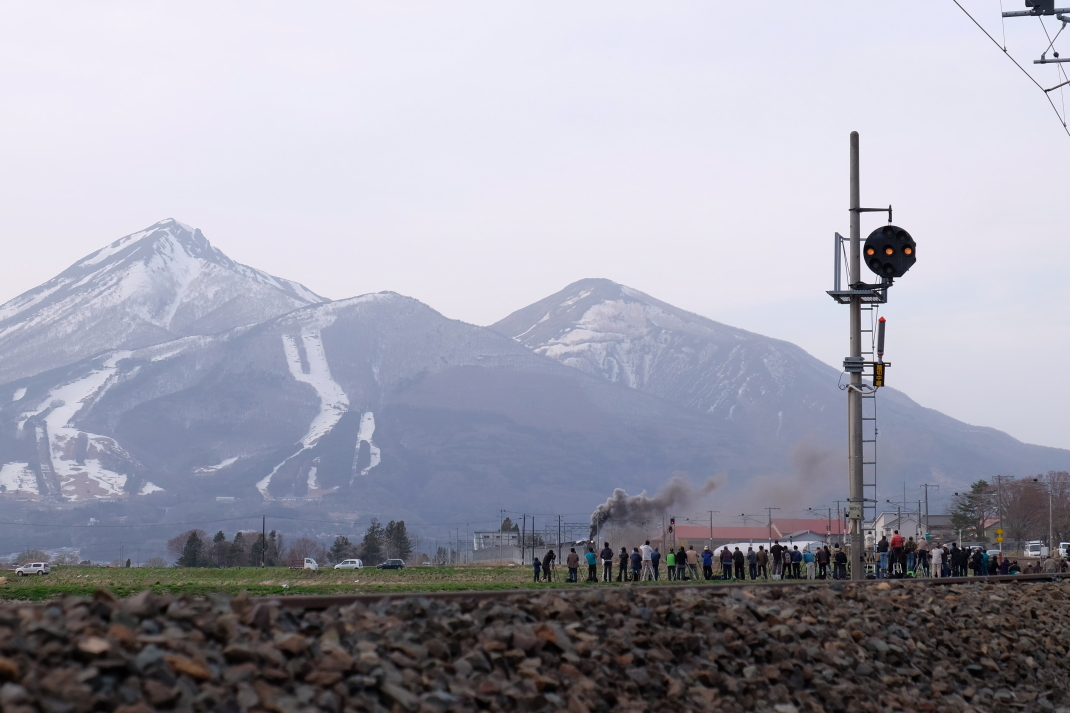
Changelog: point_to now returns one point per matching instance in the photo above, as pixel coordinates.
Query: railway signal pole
(889, 253)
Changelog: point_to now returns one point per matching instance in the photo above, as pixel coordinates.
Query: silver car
(32, 568)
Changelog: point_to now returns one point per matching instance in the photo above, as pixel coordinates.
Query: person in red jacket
(898, 553)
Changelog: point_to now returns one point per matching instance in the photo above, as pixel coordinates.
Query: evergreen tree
(972, 511)
(396, 540)
(237, 555)
(276, 551)
(509, 526)
(256, 551)
(193, 553)
(341, 549)
(220, 550)
(371, 548)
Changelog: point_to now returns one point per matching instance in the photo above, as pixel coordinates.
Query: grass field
(272, 581)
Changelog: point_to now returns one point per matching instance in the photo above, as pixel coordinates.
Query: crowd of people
(644, 563)
(899, 556)
(892, 557)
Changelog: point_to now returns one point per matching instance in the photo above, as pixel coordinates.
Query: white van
(32, 568)
(1036, 548)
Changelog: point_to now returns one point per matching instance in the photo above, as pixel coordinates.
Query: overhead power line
(1043, 91)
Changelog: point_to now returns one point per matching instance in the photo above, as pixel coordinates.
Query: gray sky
(481, 155)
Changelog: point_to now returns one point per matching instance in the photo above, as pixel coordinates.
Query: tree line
(1029, 505)
(195, 548)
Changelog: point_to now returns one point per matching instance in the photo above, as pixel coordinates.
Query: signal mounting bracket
(873, 210)
(870, 294)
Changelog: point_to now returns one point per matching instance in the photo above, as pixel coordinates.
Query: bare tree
(304, 547)
(177, 544)
(1025, 510)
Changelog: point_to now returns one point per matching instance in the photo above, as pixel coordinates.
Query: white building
(488, 539)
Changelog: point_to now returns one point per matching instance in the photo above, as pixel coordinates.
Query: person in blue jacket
(538, 568)
(637, 562)
(592, 565)
(707, 564)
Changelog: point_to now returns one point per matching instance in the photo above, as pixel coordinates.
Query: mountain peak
(157, 284)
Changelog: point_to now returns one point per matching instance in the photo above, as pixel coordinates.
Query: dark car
(391, 564)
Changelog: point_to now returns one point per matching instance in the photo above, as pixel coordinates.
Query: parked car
(391, 564)
(349, 564)
(32, 568)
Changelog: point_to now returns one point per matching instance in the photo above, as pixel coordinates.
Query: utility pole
(559, 536)
(711, 512)
(524, 534)
(927, 486)
(999, 504)
(501, 526)
(854, 395)
(770, 511)
(263, 540)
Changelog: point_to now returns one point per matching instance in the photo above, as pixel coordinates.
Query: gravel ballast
(866, 647)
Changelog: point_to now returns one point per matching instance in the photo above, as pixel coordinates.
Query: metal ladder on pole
(869, 426)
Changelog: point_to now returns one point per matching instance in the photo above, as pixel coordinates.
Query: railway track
(326, 601)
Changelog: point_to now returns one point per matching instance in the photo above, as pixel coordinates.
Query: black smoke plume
(642, 507)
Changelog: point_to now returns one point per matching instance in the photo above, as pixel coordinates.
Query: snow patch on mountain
(212, 469)
(364, 435)
(75, 454)
(333, 400)
(149, 487)
(19, 393)
(18, 477)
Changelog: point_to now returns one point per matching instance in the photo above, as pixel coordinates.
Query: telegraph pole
(927, 486)
(999, 504)
(770, 511)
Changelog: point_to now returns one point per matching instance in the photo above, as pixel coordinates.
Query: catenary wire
(1011, 58)
(1059, 67)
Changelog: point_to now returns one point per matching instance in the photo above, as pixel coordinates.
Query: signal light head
(890, 251)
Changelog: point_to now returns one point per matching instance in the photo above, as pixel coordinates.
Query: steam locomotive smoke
(622, 506)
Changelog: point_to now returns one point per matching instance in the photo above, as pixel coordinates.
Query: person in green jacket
(670, 564)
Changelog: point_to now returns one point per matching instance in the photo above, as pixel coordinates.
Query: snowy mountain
(149, 287)
(784, 399)
(157, 375)
(376, 403)
(629, 338)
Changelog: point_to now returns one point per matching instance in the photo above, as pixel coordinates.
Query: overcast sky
(481, 155)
